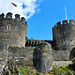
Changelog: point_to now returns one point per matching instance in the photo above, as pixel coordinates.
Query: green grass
(63, 70)
(23, 71)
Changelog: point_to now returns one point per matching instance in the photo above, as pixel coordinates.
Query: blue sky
(41, 15)
(51, 11)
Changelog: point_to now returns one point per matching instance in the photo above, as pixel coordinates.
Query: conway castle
(14, 43)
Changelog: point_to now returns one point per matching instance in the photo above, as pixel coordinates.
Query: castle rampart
(13, 31)
(33, 43)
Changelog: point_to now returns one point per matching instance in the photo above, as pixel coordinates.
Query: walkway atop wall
(34, 43)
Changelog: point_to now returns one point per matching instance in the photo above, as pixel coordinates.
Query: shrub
(73, 60)
(23, 70)
(62, 70)
(69, 73)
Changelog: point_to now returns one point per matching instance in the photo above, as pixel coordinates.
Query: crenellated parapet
(13, 22)
(64, 22)
(72, 21)
(33, 43)
(9, 17)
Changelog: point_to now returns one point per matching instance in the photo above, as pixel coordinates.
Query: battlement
(72, 21)
(2, 16)
(9, 16)
(64, 22)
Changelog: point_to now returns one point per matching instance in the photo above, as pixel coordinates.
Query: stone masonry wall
(23, 54)
(43, 57)
(60, 55)
(64, 35)
(3, 54)
(29, 54)
(61, 63)
(13, 31)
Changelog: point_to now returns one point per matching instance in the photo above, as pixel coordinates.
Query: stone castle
(40, 53)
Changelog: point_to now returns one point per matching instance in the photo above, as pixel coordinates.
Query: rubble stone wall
(61, 63)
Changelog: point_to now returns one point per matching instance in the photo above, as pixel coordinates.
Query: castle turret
(14, 31)
(42, 57)
(63, 35)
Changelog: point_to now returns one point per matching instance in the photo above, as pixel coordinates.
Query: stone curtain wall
(60, 55)
(41, 56)
(61, 63)
(24, 52)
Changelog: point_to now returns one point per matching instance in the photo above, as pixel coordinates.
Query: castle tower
(14, 31)
(64, 35)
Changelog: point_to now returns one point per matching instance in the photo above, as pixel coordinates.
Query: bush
(23, 70)
(62, 70)
(69, 73)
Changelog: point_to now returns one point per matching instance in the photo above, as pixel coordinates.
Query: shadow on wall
(34, 57)
(72, 53)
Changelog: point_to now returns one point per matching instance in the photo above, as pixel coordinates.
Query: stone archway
(72, 53)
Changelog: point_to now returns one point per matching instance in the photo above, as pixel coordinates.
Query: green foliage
(73, 60)
(23, 70)
(7, 62)
(68, 73)
(62, 70)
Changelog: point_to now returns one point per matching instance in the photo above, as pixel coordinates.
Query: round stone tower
(13, 31)
(64, 35)
(43, 57)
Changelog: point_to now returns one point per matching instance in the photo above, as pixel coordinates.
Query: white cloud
(30, 7)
